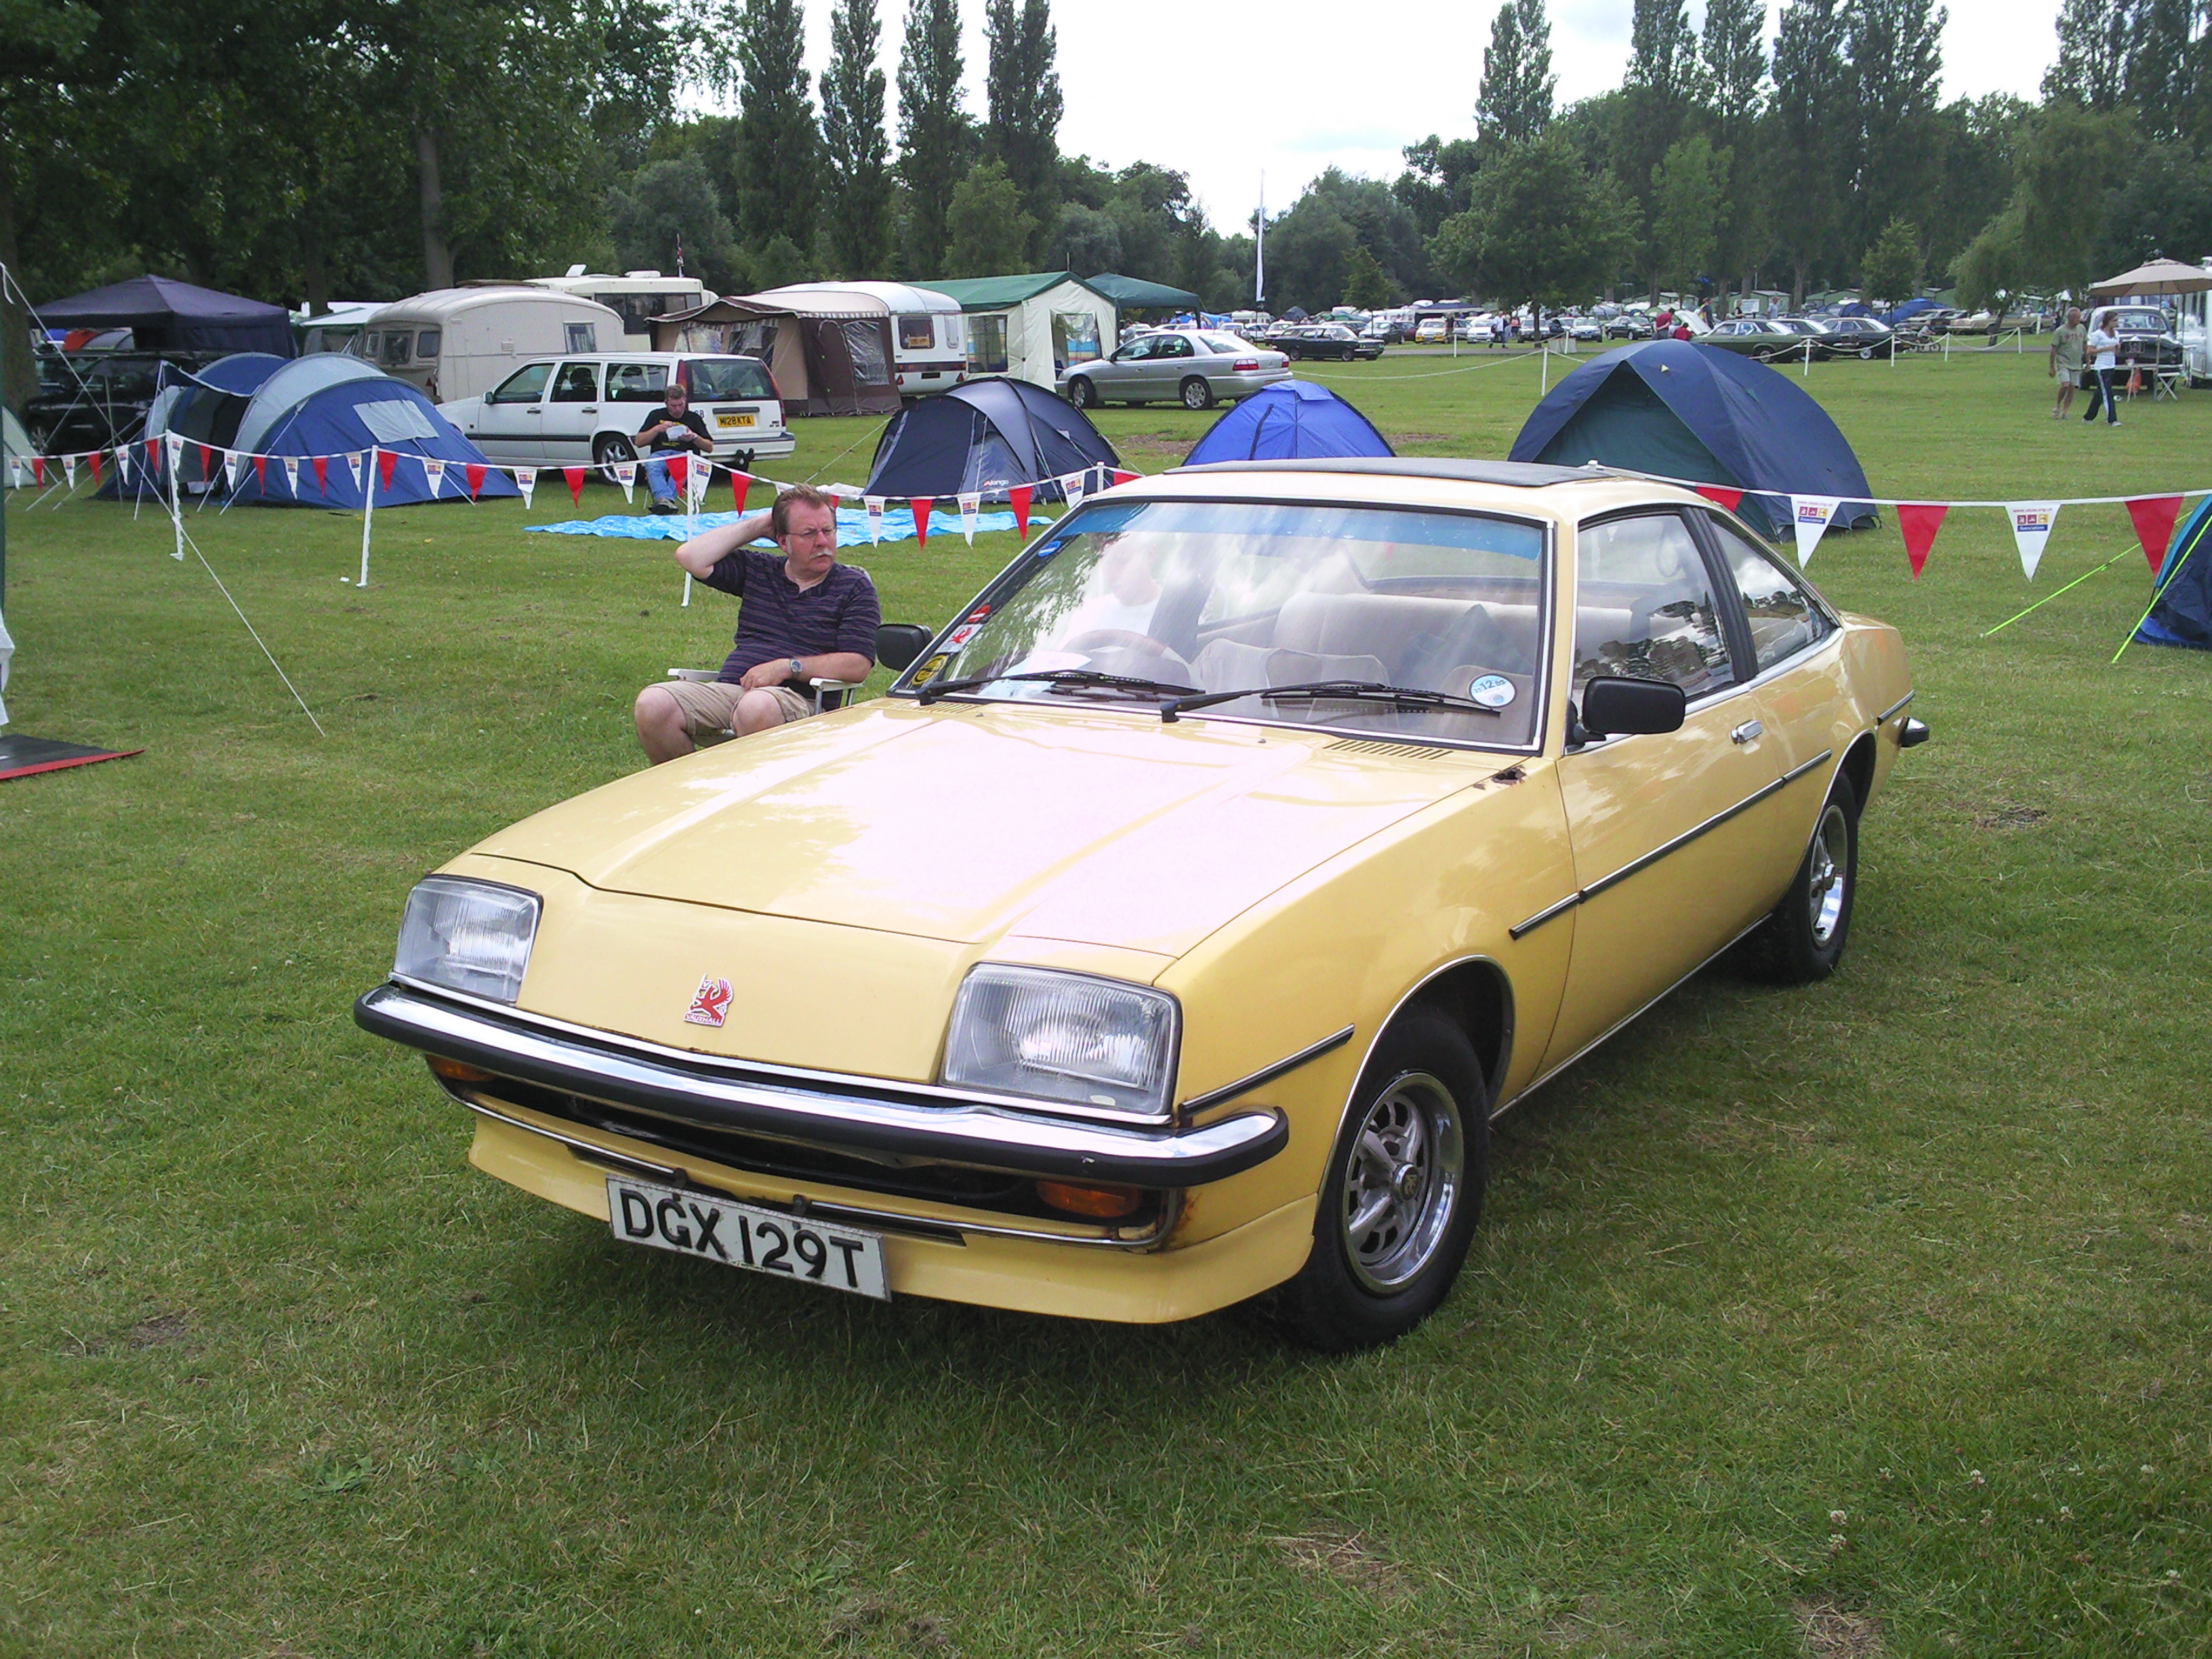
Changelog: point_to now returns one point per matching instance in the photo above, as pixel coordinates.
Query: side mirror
(1615, 707)
(898, 644)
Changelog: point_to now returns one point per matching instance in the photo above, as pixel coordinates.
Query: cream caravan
(929, 335)
(456, 343)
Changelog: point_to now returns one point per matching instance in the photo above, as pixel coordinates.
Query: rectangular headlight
(1063, 1037)
(469, 936)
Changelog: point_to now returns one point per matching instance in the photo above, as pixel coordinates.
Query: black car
(107, 407)
(1854, 336)
(1326, 340)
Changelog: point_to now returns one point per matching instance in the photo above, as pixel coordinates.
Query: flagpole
(1260, 248)
(368, 512)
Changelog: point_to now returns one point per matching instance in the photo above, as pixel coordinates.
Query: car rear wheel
(1403, 1193)
(1196, 394)
(608, 452)
(1866, 354)
(1803, 938)
(1081, 393)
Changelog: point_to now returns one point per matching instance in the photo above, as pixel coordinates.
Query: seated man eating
(673, 428)
(801, 617)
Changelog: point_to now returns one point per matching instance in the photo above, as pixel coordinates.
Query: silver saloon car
(1195, 367)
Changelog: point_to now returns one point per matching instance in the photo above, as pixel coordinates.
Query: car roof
(1516, 487)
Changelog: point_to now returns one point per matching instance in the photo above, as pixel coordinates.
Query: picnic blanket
(852, 526)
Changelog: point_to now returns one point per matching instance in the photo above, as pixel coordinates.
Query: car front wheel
(1803, 938)
(608, 453)
(1403, 1192)
(1196, 394)
(1082, 393)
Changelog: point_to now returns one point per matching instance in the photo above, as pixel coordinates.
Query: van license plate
(742, 1235)
(731, 423)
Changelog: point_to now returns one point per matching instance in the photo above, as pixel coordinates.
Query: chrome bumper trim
(671, 1083)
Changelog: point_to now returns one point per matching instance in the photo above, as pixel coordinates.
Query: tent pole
(175, 457)
(367, 513)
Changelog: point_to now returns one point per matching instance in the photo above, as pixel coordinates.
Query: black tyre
(1403, 1192)
(1081, 393)
(1196, 394)
(1803, 938)
(1866, 354)
(610, 449)
(1348, 353)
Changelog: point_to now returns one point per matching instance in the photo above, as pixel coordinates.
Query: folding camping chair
(898, 644)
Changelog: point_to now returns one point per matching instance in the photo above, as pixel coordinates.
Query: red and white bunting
(123, 463)
(971, 509)
(473, 473)
(353, 465)
(679, 473)
(387, 462)
(261, 474)
(1809, 516)
(1019, 498)
(740, 483)
(1122, 475)
(2030, 528)
(233, 465)
(1917, 522)
(2153, 517)
(526, 480)
(918, 511)
(14, 472)
(92, 465)
(574, 477)
(175, 446)
(873, 506)
(626, 476)
(433, 471)
(68, 470)
(1722, 497)
(322, 475)
(1072, 487)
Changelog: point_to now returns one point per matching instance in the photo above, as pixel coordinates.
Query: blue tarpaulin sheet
(852, 526)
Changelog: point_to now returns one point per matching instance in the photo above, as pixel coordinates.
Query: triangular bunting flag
(626, 476)
(152, 458)
(473, 472)
(1072, 488)
(176, 447)
(1722, 497)
(261, 473)
(873, 506)
(93, 462)
(679, 473)
(123, 462)
(1810, 515)
(14, 472)
(292, 476)
(1918, 521)
(207, 465)
(39, 471)
(68, 470)
(1019, 498)
(387, 462)
(971, 507)
(1122, 475)
(322, 475)
(353, 465)
(574, 476)
(233, 465)
(919, 512)
(740, 483)
(526, 480)
(2153, 517)
(702, 480)
(2030, 528)
(434, 473)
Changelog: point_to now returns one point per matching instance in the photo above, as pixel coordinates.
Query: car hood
(968, 824)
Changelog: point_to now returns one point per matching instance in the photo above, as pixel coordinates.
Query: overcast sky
(1223, 91)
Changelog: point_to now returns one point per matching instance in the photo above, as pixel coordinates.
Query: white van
(929, 334)
(571, 410)
(638, 296)
(456, 343)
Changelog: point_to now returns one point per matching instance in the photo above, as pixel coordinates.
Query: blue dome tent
(984, 436)
(1288, 420)
(2183, 613)
(353, 415)
(202, 408)
(1678, 409)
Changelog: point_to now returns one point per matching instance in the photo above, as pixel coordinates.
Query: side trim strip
(1267, 1073)
(1882, 719)
(1679, 841)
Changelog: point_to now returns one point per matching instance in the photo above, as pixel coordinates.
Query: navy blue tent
(170, 316)
(1288, 420)
(1910, 309)
(2182, 614)
(351, 417)
(1694, 412)
(984, 436)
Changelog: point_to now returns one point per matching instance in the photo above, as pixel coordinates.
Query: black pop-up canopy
(171, 316)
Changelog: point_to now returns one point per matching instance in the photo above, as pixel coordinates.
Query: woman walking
(2104, 347)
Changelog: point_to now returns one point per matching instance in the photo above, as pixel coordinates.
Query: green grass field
(1866, 1319)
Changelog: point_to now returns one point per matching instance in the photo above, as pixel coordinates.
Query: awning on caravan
(825, 362)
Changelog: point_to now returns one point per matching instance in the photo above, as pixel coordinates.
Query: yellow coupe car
(1174, 929)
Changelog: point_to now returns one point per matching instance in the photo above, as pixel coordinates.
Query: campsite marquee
(1033, 327)
(163, 315)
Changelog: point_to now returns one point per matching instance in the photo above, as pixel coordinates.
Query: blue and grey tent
(202, 408)
(982, 437)
(352, 415)
(1678, 409)
(1288, 420)
(2182, 614)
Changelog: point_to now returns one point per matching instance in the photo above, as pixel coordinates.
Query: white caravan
(638, 296)
(929, 335)
(456, 343)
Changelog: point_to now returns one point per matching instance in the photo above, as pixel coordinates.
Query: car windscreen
(1245, 596)
(714, 379)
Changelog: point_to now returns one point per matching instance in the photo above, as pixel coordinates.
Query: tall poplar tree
(2160, 74)
(1515, 102)
(936, 138)
(1894, 58)
(776, 139)
(1733, 50)
(1657, 94)
(1808, 178)
(858, 213)
(1022, 129)
(2093, 54)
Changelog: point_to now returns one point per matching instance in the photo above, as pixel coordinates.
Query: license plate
(731, 422)
(742, 1235)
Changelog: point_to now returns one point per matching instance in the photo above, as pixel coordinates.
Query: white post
(1546, 351)
(1807, 374)
(368, 512)
(1946, 342)
(687, 590)
(176, 510)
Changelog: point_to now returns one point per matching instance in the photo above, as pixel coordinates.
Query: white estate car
(561, 411)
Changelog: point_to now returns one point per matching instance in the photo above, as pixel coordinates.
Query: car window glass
(717, 380)
(1225, 345)
(916, 333)
(427, 343)
(636, 383)
(1174, 345)
(525, 386)
(1784, 619)
(1137, 351)
(1644, 606)
(577, 383)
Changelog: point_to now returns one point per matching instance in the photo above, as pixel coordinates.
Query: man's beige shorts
(709, 707)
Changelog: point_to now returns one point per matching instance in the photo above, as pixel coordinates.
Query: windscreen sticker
(1046, 550)
(962, 634)
(929, 670)
(1491, 690)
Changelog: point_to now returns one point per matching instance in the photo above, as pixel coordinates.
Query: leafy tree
(1433, 186)
(1538, 226)
(1380, 222)
(1994, 265)
(858, 210)
(989, 233)
(2069, 165)
(1367, 285)
(1310, 252)
(1807, 181)
(1085, 240)
(1734, 51)
(1893, 61)
(1891, 272)
(777, 136)
(1660, 89)
(936, 138)
(669, 205)
(2163, 205)
(1686, 198)
(1977, 144)
(2093, 54)
(2159, 71)
(1515, 102)
(1022, 129)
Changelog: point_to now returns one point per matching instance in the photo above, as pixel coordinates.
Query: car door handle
(1746, 733)
(593, 410)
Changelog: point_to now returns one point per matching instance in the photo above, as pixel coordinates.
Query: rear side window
(718, 379)
(583, 337)
(1783, 618)
(576, 383)
(525, 386)
(636, 383)
(1644, 606)
(396, 341)
(1174, 345)
(428, 341)
(916, 333)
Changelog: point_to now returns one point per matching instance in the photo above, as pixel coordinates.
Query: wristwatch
(798, 669)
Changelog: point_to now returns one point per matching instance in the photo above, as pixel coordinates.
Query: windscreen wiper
(1075, 679)
(1405, 697)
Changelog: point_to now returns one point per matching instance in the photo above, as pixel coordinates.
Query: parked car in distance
(1332, 340)
(1585, 328)
(2147, 336)
(1432, 329)
(1195, 367)
(564, 411)
(1629, 325)
(1171, 933)
(1755, 336)
(95, 400)
(1857, 337)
